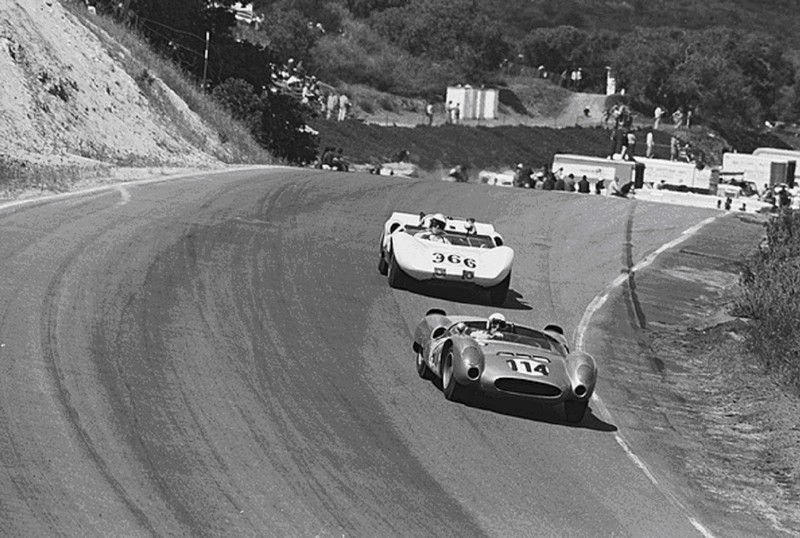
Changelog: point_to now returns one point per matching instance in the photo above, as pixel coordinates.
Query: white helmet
(495, 321)
(437, 218)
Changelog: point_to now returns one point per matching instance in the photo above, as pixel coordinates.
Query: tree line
(735, 78)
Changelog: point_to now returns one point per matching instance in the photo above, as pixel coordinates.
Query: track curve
(218, 355)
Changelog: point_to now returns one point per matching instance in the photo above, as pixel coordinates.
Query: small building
(474, 103)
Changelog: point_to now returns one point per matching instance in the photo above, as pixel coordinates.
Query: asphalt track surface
(218, 356)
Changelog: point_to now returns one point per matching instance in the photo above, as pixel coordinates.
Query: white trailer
(594, 168)
(677, 174)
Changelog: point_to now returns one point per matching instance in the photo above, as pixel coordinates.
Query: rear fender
(432, 326)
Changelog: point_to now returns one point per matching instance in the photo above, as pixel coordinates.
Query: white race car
(462, 253)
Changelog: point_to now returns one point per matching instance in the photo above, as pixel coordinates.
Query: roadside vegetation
(144, 65)
(770, 298)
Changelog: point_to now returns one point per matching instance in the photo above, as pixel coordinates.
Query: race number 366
(455, 259)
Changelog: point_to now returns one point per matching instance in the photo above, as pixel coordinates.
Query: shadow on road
(526, 410)
(514, 300)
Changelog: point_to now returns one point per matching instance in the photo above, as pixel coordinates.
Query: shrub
(770, 296)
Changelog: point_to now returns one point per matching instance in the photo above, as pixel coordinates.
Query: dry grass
(147, 67)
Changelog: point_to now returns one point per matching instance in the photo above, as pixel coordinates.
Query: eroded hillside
(71, 94)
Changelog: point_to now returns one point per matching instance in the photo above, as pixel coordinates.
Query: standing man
(650, 145)
(657, 115)
(344, 102)
(331, 105)
(429, 113)
(673, 148)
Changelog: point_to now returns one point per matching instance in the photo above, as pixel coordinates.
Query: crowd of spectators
(548, 180)
(291, 78)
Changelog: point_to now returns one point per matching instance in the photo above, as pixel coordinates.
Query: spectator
(429, 113)
(344, 102)
(560, 184)
(630, 147)
(768, 196)
(650, 151)
(677, 117)
(448, 112)
(569, 183)
(784, 198)
(657, 115)
(326, 161)
(522, 176)
(333, 100)
(599, 186)
(583, 185)
(617, 141)
(549, 182)
(673, 148)
(616, 188)
(339, 162)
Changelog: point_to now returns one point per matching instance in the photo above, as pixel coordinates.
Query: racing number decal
(454, 259)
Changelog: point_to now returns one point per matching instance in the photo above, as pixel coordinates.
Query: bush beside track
(770, 297)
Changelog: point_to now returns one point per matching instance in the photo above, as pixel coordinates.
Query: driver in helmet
(435, 229)
(494, 325)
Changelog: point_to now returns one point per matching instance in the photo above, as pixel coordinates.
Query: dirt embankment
(68, 99)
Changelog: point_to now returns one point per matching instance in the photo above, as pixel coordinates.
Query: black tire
(383, 267)
(422, 368)
(451, 389)
(575, 411)
(498, 294)
(396, 276)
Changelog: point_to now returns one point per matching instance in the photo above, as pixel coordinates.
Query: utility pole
(205, 59)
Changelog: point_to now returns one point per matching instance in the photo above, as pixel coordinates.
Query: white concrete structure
(474, 103)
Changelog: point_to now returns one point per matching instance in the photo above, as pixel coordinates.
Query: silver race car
(445, 250)
(497, 358)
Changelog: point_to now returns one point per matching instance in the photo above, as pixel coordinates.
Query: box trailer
(594, 168)
(676, 175)
(792, 156)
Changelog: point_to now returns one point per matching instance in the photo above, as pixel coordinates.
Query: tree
(457, 30)
(275, 120)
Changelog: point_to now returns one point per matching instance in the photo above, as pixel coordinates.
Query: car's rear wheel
(383, 267)
(575, 411)
(396, 276)
(451, 389)
(498, 293)
(422, 368)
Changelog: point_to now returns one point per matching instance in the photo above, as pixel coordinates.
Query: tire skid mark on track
(616, 285)
(51, 356)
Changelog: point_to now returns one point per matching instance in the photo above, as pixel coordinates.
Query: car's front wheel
(422, 368)
(395, 274)
(575, 411)
(498, 293)
(451, 389)
(383, 267)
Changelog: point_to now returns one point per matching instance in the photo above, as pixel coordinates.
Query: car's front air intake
(523, 386)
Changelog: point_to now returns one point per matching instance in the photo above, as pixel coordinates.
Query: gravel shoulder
(697, 406)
